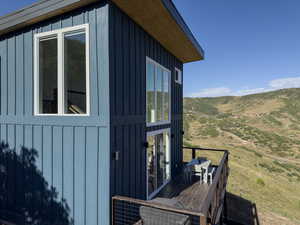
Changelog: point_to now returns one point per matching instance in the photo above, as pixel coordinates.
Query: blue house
(91, 111)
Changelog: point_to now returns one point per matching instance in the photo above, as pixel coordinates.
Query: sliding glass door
(158, 161)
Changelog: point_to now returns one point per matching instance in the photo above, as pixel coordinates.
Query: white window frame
(153, 133)
(60, 73)
(148, 59)
(179, 80)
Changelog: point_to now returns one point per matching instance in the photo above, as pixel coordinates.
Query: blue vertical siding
(79, 180)
(57, 163)
(11, 75)
(28, 73)
(68, 167)
(92, 178)
(72, 153)
(20, 75)
(129, 46)
(71, 161)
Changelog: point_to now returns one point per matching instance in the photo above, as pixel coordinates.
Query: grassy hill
(262, 132)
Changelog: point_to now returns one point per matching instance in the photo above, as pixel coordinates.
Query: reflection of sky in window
(80, 37)
(166, 81)
(150, 76)
(159, 79)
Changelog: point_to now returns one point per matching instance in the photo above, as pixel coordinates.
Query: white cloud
(223, 91)
(212, 92)
(251, 91)
(290, 82)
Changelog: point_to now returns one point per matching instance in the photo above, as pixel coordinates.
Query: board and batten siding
(72, 152)
(129, 46)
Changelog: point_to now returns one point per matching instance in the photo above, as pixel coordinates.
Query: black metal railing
(127, 211)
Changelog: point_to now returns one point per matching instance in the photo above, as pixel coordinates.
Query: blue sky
(251, 46)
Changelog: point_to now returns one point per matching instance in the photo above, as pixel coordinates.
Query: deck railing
(126, 211)
(214, 203)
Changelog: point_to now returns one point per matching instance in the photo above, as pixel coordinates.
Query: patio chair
(201, 170)
(154, 216)
(198, 171)
(189, 170)
(210, 173)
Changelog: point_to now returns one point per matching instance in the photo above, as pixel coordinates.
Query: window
(158, 93)
(158, 161)
(178, 76)
(62, 72)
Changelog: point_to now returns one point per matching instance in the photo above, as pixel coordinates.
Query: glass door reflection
(158, 161)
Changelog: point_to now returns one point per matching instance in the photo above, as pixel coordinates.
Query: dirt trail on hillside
(281, 158)
(274, 219)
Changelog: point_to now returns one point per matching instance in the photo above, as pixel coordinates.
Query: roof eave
(180, 21)
(37, 12)
(163, 22)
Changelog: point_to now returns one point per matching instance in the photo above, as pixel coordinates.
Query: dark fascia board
(180, 21)
(37, 12)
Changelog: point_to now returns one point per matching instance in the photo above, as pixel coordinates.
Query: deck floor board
(191, 196)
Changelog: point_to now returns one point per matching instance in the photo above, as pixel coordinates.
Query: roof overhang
(37, 12)
(159, 18)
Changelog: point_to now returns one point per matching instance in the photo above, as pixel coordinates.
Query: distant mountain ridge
(262, 132)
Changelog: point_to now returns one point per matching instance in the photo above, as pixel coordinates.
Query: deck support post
(225, 210)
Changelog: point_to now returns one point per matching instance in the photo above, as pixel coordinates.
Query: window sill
(61, 115)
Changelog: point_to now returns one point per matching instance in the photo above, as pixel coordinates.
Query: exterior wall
(129, 46)
(72, 152)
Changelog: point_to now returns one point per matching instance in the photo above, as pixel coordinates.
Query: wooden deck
(191, 196)
(204, 203)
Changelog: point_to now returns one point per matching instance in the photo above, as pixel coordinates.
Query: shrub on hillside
(260, 182)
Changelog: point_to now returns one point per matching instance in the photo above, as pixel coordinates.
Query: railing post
(193, 153)
(203, 220)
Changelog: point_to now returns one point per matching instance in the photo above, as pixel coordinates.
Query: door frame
(149, 134)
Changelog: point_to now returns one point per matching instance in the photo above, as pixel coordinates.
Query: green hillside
(262, 132)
